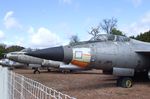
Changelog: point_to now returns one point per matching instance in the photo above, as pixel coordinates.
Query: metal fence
(20, 87)
(3, 83)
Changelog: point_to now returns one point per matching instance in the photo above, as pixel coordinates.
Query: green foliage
(117, 32)
(133, 37)
(143, 37)
(4, 50)
(14, 48)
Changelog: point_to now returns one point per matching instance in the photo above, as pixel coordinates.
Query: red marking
(86, 55)
(80, 63)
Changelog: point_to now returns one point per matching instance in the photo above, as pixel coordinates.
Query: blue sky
(46, 23)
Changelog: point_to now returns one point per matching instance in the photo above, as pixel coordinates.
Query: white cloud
(136, 3)
(146, 18)
(40, 38)
(31, 30)
(10, 21)
(1, 35)
(44, 38)
(140, 26)
(20, 41)
(15, 40)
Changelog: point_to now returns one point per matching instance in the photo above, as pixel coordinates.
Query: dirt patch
(89, 85)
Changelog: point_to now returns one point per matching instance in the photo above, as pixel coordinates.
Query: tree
(108, 25)
(2, 50)
(14, 48)
(143, 36)
(117, 32)
(74, 39)
(133, 37)
(95, 31)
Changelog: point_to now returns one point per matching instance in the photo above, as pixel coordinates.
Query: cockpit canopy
(28, 50)
(109, 37)
(104, 38)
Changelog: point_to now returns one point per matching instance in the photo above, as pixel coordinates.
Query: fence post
(3, 82)
(22, 80)
(16, 86)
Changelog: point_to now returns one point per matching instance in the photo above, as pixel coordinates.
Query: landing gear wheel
(11, 68)
(49, 70)
(66, 71)
(125, 82)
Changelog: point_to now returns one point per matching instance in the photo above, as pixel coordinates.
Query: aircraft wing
(144, 52)
(72, 67)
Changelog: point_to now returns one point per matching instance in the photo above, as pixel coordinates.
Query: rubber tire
(126, 82)
(11, 68)
(66, 71)
(49, 70)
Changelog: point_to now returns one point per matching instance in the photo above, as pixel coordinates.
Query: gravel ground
(89, 85)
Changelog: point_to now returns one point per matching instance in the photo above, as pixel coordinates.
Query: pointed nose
(11, 57)
(54, 53)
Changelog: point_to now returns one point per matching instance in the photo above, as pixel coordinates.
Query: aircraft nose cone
(55, 53)
(11, 57)
(60, 53)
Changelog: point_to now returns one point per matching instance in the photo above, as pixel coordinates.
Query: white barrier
(16, 86)
(3, 83)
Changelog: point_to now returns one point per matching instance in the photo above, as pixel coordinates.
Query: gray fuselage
(106, 55)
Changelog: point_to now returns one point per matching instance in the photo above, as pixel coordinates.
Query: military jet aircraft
(35, 62)
(11, 64)
(114, 54)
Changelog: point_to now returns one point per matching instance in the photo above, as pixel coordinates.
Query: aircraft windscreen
(109, 37)
(28, 50)
(105, 38)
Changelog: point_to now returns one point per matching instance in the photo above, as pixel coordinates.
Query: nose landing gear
(125, 82)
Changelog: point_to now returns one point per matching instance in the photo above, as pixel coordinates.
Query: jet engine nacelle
(50, 63)
(123, 71)
(34, 65)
